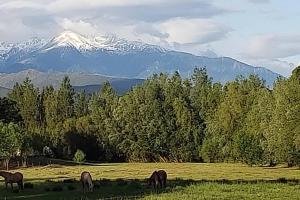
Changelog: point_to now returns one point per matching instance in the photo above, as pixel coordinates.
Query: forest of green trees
(167, 118)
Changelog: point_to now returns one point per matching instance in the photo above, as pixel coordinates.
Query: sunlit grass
(193, 171)
(236, 191)
(228, 175)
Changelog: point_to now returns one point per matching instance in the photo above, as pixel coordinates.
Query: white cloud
(279, 66)
(20, 4)
(200, 31)
(273, 46)
(259, 1)
(79, 26)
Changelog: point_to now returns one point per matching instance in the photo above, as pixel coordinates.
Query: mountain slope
(118, 57)
(4, 91)
(120, 86)
(80, 81)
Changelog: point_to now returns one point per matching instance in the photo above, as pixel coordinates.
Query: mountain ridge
(112, 56)
(42, 79)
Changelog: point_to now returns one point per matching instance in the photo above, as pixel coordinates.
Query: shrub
(79, 156)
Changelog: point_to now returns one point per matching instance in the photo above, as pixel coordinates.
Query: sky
(258, 32)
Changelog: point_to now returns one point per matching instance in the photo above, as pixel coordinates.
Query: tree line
(167, 118)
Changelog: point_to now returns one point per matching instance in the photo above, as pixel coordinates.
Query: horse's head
(152, 179)
(149, 181)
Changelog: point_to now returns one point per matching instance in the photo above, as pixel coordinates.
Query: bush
(28, 185)
(79, 156)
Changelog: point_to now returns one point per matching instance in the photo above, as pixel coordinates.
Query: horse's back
(18, 175)
(162, 174)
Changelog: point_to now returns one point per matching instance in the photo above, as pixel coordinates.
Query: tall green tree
(102, 107)
(10, 142)
(65, 99)
(26, 96)
(9, 111)
(286, 119)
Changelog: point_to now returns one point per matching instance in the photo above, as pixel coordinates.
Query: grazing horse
(86, 180)
(158, 179)
(12, 178)
(162, 175)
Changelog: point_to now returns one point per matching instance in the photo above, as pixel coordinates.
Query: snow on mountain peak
(88, 43)
(70, 39)
(82, 43)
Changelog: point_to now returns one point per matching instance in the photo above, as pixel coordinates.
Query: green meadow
(185, 181)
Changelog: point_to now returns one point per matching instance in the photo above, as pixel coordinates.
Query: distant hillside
(120, 86)
(3, 92)
(42, 79)
(81, 81)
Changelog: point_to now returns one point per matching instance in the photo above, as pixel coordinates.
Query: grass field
(186, 181)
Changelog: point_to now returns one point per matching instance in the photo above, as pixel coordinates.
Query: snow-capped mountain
(5, 47)
(88, 43)
(114, 56)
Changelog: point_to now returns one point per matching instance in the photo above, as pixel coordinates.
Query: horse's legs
(156, 186)
(83, 187)
(20, 185)
(6, 185)
(12, 187)
(164, 183)
(91, 187)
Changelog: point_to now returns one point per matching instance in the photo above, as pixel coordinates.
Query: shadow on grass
(114, 189)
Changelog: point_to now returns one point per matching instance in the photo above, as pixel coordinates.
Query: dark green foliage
(9, 111)
(164, 119)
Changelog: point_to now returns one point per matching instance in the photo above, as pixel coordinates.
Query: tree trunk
(24, 161)
(6, 163)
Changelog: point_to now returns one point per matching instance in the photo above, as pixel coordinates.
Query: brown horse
(87, 182)
(12, 178)
(158, 179)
